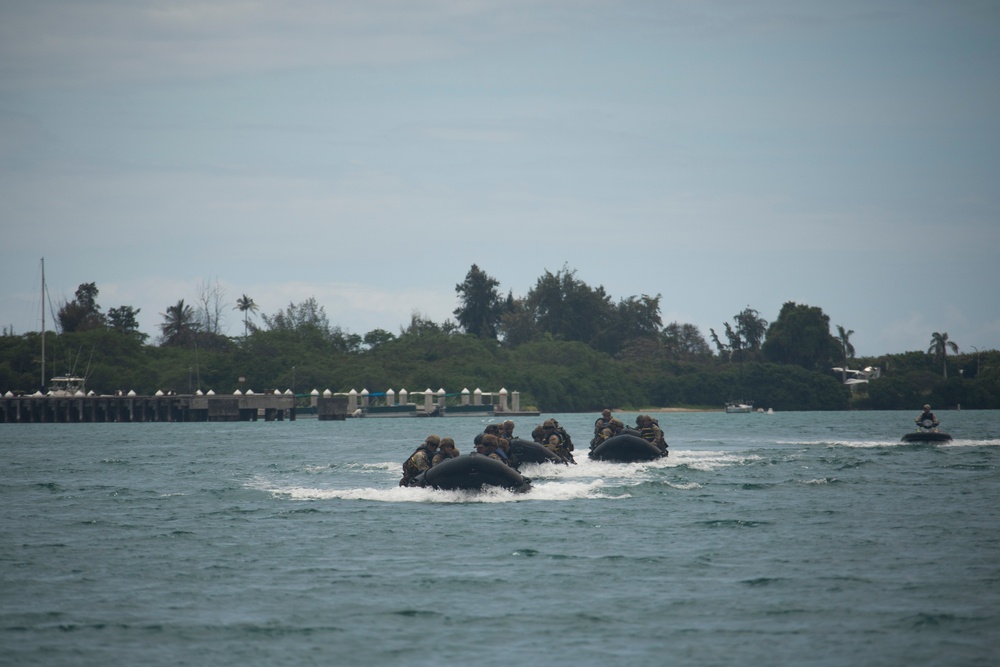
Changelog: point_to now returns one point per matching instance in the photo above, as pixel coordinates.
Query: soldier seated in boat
(446, 451)
(567, 440)
(603, 428)
(556, 440)
(927, 415)
(489, 446)
(650, 431)
(420, 460)
(603, 422)
(503, 443)
(507, 430)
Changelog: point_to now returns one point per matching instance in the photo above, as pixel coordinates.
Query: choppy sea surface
(768, 539)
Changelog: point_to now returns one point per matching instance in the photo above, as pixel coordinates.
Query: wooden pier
(167, 408)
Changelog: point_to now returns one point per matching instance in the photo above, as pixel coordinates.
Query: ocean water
(782, 539)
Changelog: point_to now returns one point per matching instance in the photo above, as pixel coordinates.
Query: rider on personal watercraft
(927, 418)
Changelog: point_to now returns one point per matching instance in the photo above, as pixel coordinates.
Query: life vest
(567, 442)
(410, 467)
(440, 456)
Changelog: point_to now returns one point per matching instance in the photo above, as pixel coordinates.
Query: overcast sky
(844, 155)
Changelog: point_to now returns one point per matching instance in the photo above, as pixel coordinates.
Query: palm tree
(246, 306)
(848, 350)
(179, 324)
(939, 348)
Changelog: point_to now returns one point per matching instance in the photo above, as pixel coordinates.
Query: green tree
(939, 348)
(632, 320)
(421, 325)
(179, 326)
(482, 305)
(847, 350)
(345, 341)
(305, 321)
(746, 337)
(684, 341)
(83, 313)
(377, 337)
(124, 320)
(246, 305)
(517, 324)
(568, 308)
(751, 329)
(801, 336)
(723, 348)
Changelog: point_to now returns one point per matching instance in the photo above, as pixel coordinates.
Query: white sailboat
(60, 385)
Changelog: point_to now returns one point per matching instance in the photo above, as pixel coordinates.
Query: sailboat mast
(43, 323)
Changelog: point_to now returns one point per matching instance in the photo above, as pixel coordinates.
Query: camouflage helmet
(447, 442)
(548, 423)
(490, 440)
(433, 440)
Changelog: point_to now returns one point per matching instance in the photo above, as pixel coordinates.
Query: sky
(724, 155)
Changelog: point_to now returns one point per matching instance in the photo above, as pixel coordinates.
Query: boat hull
(527, 451)
(472, 472)
(626, 448)
(926, 436)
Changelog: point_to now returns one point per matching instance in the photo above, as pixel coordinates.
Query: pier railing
(160, 408)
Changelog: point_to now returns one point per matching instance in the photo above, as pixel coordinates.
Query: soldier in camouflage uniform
(489, 446)
(420, 460)
(446, 451)
(556, 440)
(650, 431)
(507, 430)
(602, 429)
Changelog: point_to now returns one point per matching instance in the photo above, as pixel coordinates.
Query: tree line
(565, 345)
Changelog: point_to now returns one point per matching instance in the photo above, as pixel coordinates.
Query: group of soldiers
(647, 427)
(429, 453)
(495, 442)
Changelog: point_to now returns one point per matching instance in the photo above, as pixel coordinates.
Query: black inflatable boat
(472, 472)
(527, 451)
(926, 436)
(626, 448)
(927, 431)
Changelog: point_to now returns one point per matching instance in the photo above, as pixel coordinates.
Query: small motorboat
(472, 472)
(739, 407)
(927, 431)
(626, 448)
